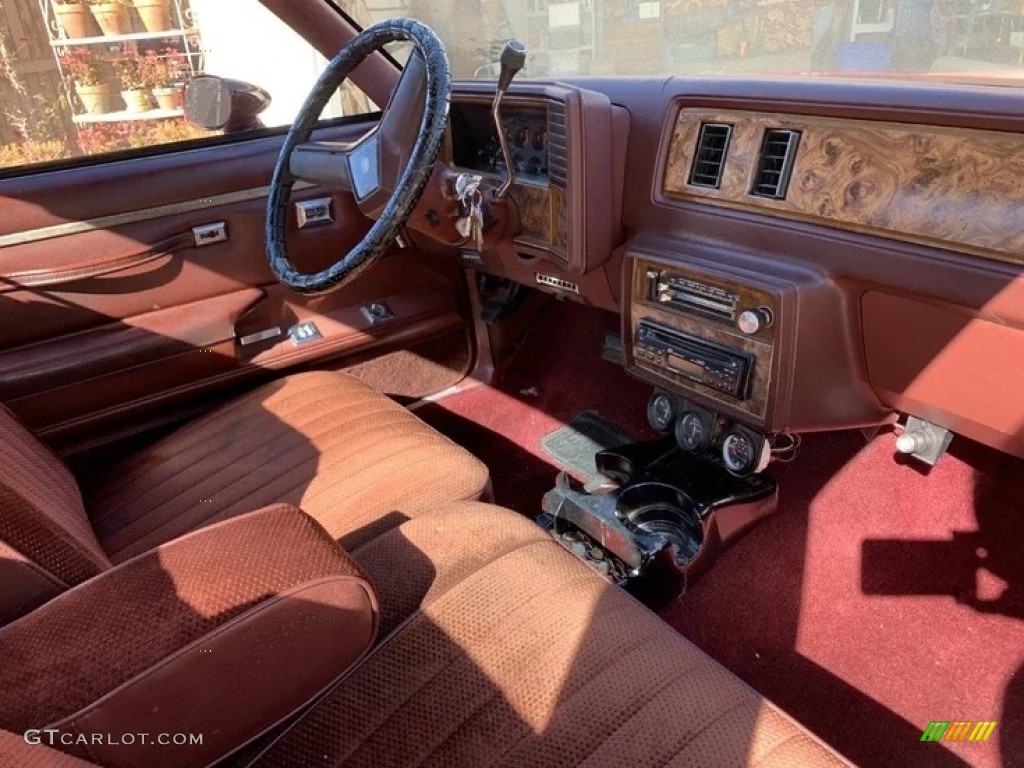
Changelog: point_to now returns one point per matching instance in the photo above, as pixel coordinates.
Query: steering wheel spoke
(387, 170)
(322, 162)
(399, 125)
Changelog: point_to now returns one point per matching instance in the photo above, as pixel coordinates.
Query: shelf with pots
(75, 20)
(150, 85)
(123, 60)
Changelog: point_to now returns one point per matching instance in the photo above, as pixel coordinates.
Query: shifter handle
(513, 59)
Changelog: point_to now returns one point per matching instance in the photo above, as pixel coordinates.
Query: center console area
(704, 335)
(709, 340)
(739, 340)
(661, 518)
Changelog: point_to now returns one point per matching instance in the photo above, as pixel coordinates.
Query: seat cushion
(424, 557)
(345, 454)
(532, 659)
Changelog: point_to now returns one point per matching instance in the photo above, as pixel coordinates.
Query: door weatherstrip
(143, 214)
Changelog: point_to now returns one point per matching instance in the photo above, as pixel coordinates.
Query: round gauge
(535, 165)
(540, 140)
(520, 135)
(661, 411)
(693, 432)
(739, 452)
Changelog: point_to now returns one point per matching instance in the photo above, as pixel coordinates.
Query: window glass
(79, 79)
(967, 41)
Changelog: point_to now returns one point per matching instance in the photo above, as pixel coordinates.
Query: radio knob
(753, 320)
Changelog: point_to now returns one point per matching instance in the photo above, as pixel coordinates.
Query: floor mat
(575, 445)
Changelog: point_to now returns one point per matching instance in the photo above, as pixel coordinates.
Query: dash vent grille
(709, 159)
(558, 145)
(778, 150)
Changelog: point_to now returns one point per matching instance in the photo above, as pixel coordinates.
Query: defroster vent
(709, 159)
(558, 145)
(775, 164)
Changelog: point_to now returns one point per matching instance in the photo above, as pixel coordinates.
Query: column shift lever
(513, 57)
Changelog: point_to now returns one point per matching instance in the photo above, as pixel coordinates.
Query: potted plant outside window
(74, 17)
(134, 89)
(90, 75)
(155, 14)
(162, 73)
(111, 15)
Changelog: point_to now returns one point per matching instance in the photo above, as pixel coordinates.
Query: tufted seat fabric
(325, 442)
(353, 459)
(524, 656)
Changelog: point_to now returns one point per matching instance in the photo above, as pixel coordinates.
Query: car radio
(725, 369)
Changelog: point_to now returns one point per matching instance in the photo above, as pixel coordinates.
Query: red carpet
(876, 599)
(557, 373)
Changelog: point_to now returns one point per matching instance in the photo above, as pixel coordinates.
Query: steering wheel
(386, 176)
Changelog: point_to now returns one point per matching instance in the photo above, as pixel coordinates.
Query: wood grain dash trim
(952, 188)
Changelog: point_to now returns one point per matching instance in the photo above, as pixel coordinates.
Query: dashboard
(786, 255)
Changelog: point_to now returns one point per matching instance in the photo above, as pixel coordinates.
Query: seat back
(46, 541)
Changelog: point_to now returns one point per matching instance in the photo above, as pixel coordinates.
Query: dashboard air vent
(558, 145)
(709, 159)
(776, 163)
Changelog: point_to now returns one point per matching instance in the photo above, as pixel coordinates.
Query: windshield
(959, 40)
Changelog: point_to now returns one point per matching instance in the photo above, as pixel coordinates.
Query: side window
(83, 77)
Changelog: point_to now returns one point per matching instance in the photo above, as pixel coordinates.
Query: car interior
(647, 420)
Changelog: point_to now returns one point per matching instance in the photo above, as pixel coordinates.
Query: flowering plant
(85, 67)
(130, 71)
(31, 152)
(162, 70)
(112, 137)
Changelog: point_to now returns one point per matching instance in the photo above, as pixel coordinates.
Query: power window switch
(304, 333)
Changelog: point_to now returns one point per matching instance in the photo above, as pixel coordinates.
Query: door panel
(151, 337)
(117, 352)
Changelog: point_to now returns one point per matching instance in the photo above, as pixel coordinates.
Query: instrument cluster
(476, 146)
(528, 136)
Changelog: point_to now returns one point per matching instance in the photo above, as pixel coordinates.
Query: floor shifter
(513, 58)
